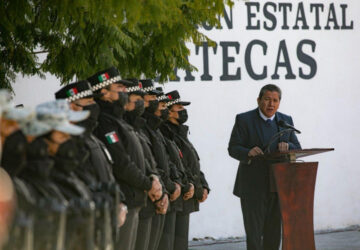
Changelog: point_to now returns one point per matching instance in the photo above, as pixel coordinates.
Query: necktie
(268, 122)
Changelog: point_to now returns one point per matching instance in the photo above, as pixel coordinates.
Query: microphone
(284, 124)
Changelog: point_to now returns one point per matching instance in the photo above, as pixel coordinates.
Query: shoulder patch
(112, 137)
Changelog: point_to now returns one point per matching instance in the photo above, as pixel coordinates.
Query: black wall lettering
(251, 15)
(270, 15)
(284, 7)
(306, 59)
(317, 7)
(300, 16)
(248, 63)
(344, 26)
(286, 63)
(228, 59)
(205, 76)
(332, 18)
(228, 21)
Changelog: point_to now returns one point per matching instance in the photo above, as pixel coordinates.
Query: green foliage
(78, 38)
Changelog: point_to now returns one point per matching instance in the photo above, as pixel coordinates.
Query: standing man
(250, 137)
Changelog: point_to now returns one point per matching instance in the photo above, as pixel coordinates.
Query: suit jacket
(253, 176)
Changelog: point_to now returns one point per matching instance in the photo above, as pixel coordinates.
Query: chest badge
(112, 137)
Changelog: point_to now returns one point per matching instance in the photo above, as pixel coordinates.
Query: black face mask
(138, 111)
(164, 114)
(119, 104)
(90, 123)
(153, 106)
(14, 153)
(183, 116)
(39, 161)
(66, 157)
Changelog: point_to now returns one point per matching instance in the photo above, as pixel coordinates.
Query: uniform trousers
(168, 236)
(181, 231)
(143, 233)
(157, 227)
(262, 221)
(128, 232)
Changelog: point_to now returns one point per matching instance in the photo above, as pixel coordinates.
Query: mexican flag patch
(103, 77)
(112, 137)
(71, 92)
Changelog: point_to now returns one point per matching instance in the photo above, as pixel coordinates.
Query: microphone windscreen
(282, 123)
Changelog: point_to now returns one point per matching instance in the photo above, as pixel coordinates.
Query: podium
(295, 183)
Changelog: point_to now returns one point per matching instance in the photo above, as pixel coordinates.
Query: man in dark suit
(250, 137)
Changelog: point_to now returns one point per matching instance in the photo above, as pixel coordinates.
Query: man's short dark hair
(270, 87)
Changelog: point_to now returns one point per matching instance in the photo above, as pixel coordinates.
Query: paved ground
(349, 240)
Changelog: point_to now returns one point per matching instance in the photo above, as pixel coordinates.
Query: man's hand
(205, 195)
(190, 193)
(176, 193)
(255, 151)
(283, 146)
(155, 192)
(122, 208)
(162, 205)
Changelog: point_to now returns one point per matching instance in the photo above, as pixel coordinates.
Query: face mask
(90, 123)
(38, 158)
(66, 157)
(120, 103)
(14, 153)
(138, 111)
(164, 114)
(153, 106)
(183, 116)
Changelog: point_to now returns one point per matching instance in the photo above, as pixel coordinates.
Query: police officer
(190, 159)
(119, 137)
(96, 172)
(51, 205)
(13, 160)
(63, 149)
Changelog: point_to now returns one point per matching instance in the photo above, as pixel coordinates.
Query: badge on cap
(170, 97)
(112, 137)
(103, 77)
(71, 92)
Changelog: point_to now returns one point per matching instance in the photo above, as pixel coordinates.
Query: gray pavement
(348, 240)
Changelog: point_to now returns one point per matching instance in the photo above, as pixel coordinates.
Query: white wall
(325, 108)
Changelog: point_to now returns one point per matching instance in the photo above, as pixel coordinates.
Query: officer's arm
(164, 171)
(237, 141)
(195, 166)
(204, 182)
(124, 168)
(174, 174)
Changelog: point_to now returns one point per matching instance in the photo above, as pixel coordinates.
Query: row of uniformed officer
(134, 140)
(132, 117)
